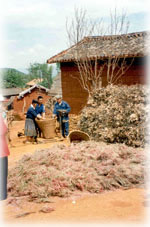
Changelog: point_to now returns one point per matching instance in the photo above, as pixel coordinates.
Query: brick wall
(21, 105)
(76, 96)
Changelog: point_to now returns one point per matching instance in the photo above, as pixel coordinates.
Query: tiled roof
(34, 81)
(10, 91)
(21, 95)
(126, 45)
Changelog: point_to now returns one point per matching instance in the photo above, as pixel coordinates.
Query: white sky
(34, 30)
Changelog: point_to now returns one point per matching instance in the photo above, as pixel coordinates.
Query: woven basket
(47, 127)
(78, 136)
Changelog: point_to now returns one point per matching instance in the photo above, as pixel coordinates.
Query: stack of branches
(73, 122)
(87, 166)
(50, 104)
(117, 114)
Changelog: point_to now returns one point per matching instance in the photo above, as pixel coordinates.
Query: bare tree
(81, 25)
(91, 69)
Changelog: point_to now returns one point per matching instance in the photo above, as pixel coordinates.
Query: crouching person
(30, 125)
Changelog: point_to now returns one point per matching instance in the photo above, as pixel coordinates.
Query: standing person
(30, 125)
(4, 152)
(61, 111)
(40, 109)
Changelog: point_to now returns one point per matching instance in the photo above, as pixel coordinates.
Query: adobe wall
(76, 96)
(72, 91)
(21, 105)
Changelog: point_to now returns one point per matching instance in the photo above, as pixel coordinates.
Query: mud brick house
(9, 95)
(129, 46)
(22, 102)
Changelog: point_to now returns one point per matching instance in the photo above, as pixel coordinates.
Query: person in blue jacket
(61, 112)
(40, 109)
(30, 126)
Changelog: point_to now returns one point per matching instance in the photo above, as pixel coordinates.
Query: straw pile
(86, 166)
(117, 114)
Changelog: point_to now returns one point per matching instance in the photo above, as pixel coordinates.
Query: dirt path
(121, 205)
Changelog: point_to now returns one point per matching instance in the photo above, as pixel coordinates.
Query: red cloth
(4, 151)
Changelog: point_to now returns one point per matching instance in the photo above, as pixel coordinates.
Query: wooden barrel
(77, 136)
(47, 127)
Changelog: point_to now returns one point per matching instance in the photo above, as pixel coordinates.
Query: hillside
(6, 70)
(11, 77)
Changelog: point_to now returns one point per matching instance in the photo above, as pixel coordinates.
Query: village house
(131, 47)
(9, 95)
(22, 102)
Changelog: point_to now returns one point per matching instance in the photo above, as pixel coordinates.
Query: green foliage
(43, 71)
(12, 78)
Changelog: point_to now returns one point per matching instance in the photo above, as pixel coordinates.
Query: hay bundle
(47, 127)
(78, 136)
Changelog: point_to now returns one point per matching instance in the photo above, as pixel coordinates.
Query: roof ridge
(21, 94)
(104, 37)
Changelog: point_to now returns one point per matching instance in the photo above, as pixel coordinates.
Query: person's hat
(58, 97)
(1, 98)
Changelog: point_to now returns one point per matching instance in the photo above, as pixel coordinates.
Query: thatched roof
(126, 45)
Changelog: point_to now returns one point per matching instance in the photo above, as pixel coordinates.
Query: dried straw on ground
(86, 166)
(117, 114)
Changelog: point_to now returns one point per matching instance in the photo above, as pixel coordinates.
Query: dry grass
(86, 166)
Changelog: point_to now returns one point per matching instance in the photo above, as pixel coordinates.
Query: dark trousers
(65, 128)
(3, 177)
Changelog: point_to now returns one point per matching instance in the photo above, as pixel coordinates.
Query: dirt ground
(113, 206)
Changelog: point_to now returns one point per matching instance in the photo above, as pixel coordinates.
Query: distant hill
(5, 70)
(11, 78)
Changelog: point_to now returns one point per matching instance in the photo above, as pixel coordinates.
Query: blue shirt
(39, 109)
(31, 113)
(63, 106)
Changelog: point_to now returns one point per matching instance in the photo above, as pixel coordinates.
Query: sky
(35, 30)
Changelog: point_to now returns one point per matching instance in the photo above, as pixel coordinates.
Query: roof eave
(98, 58)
